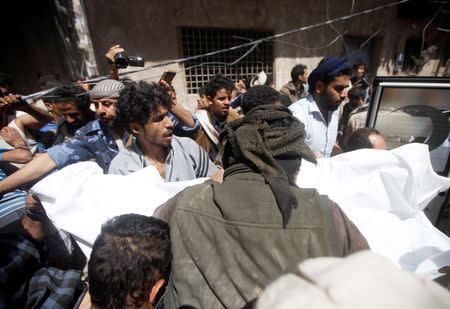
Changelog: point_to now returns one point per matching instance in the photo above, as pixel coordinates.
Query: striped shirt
(13, 200)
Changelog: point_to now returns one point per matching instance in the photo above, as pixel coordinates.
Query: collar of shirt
(313, 108)
(217, 124)
(93, 126)
(96, 126)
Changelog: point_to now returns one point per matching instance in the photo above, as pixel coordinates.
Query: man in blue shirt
(100, 139)
(319, 110)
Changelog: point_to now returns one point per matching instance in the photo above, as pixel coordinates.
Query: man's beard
(116, 124)
(111, 123)
(324, 102)
(72, 127)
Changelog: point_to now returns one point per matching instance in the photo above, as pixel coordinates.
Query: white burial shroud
(382, 192)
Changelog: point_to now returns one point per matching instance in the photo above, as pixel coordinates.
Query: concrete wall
(151, 29)
(31, 44)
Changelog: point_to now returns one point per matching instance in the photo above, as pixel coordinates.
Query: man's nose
(168, 122)
(100, 109)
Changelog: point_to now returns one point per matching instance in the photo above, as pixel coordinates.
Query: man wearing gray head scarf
(319, 110)
(100, 139)
(230, 240)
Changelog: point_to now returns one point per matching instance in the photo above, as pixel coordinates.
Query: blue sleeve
(236, 101)
(181, 130)
(2, 150)
(71, 151)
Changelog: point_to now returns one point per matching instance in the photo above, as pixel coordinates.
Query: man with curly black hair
(144, 110)
(259, 95)
(130, 262)
(217, 115)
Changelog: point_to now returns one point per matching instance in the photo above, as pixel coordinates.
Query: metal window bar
(197, 41)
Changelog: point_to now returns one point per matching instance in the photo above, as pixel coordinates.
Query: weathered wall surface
(31, 45)
(150, 29)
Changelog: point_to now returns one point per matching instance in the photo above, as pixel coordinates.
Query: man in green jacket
(230, 240)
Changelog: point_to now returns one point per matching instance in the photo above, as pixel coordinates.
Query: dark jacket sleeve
(349, 237)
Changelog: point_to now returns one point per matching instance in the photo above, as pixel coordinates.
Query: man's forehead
(223, 92)
(64, 102)
(341, 79)
(161, 110)
(112, 100)
(66, 105)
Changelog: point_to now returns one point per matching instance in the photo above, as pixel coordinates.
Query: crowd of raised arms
(218, 244)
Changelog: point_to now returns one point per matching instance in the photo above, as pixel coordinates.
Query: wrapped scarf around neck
(265, 135)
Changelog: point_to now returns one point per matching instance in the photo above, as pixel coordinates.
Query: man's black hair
(129, 256)
(299, 69)
(259, 95)
(356, 93)
(201, 91)
(68, 92)
(247, 81)
(359, 63)
(6, 80)
(138, 102)
(359, 139)
(46, 79)
(269, 80)
(285, 100)
(216, 83)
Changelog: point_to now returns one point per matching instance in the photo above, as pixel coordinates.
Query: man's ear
(49, 106)
(135, 128)
(210, 100)
(155, 289)
(319, 87)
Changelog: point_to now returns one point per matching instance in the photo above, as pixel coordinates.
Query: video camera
(122, 61)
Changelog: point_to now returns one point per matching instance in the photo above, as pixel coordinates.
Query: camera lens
(121, 60)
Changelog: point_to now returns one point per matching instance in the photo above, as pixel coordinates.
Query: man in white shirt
(319, 110)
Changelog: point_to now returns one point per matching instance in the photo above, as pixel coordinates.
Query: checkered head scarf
(107, 89)
(266, 136)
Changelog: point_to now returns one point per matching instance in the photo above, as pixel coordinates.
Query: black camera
(122, 61)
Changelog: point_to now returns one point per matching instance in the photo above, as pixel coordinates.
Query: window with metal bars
(199, 41)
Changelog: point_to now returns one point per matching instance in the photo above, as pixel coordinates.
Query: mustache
(168, 133)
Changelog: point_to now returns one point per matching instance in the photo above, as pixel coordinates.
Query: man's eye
(158, 118)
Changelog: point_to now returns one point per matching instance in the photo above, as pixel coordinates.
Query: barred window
(198, 41)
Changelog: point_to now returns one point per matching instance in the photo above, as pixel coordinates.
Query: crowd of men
(229, 237)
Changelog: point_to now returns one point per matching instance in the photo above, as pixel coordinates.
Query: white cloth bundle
(382, 192)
